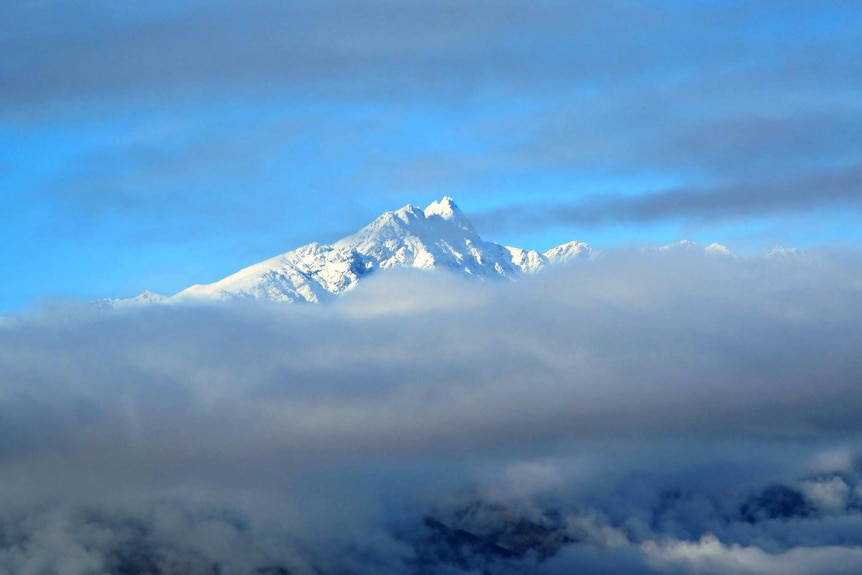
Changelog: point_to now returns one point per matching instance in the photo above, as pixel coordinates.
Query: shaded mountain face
(775, 502)
(438, 237)
(477, 535)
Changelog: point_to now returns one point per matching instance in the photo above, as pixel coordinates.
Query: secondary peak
(445, 208)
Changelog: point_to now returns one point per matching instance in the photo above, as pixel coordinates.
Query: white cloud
(709, 555)
(827, 494)
(833, 460)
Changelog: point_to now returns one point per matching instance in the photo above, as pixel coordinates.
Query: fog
(643, 412)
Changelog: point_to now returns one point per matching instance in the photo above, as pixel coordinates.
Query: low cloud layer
(643, 413)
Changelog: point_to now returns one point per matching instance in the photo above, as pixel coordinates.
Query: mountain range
(438, 237)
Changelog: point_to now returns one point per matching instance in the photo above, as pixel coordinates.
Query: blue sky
(155, 145)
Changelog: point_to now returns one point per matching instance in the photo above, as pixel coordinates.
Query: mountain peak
(448, 210)
(444, 208)
(569, 251)
(438, 237)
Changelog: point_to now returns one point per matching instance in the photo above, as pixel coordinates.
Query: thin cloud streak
(833, 190)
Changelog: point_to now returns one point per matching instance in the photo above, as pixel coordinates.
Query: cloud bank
(644, 413)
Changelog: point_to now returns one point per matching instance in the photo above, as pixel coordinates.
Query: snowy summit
(438, 237)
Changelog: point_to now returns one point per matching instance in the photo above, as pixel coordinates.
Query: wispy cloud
(841, 189)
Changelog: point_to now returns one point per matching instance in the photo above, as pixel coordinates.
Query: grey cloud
(649, 403)
(727, 133)
(381, 49)
(366, 48)
(839, 189)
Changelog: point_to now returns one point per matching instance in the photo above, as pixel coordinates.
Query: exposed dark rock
(544, 535)
(440, 543)
(478, 535)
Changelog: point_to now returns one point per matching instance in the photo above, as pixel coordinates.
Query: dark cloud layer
(335, 50)
(64, 49)
(650, 413)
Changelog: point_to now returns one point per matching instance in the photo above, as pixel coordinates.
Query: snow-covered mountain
(438, 237)
(688, 246)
